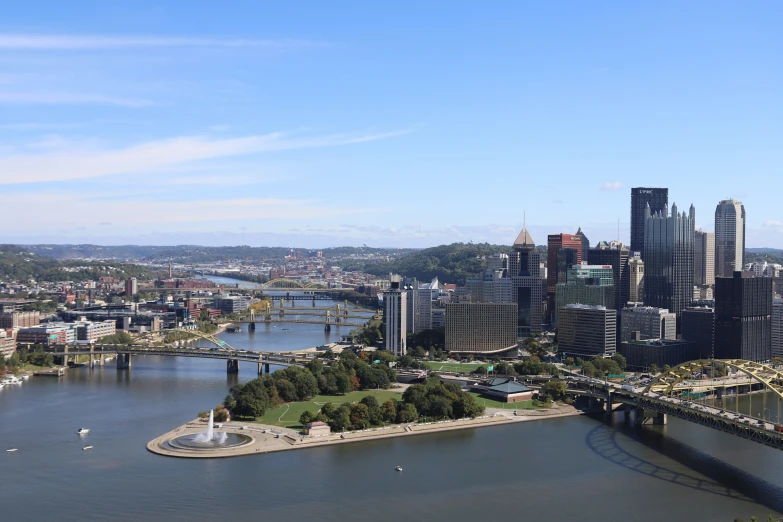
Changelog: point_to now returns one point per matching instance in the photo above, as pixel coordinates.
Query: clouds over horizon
(71, 42)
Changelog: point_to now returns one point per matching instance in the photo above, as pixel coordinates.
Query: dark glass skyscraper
(743, 317)
(614, 254)
(657, 199)
(668, 262)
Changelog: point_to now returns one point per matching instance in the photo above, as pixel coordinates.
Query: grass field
(287, 416)
(489, 403)
(452, 367)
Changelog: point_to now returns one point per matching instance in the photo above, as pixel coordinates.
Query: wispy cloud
(773, 223)
(612, 185)
(66, 98)
(95, 42)
(79, 161)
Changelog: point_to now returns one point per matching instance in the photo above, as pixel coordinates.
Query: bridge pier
(327, 327)
(263, 368)
(266, 367)
(251, 327)
(232, 366)
(608, 405)
(641, 416)
(123, 361)
(101, 360)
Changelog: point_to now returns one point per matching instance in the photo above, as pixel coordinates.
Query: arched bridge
(676, 392)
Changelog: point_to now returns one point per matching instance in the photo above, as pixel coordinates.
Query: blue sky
(391, 124)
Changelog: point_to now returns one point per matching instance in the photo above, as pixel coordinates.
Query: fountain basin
(197, 442)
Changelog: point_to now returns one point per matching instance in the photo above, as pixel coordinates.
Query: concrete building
(646, 322)
(729, 237)
(231, 304)
(19, 319)
(7, 343)
(641, 355)
(614, 254)
(481, 328)
(47, 334)
(698, 326)
(438, 318)
(657, 199)
(587, 331)
(524, 267)
(131, 287)
(743, 317)
(395, 319)
(635, 278)
(492, 286)
(89, 332)
(668, 259)
(587, 285)
(419, 306)
(497, 262)
(704, 258)
(777, 328)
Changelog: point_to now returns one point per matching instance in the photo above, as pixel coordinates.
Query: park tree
(306, 417)
(328, 409)
(407, 413)
(343, 383)
(418, 352)
(388, 411)
(666, 368)
(555, 389)
(340, 420)
(315, 366)
(653, 368)
(360, 416)
(373, 408)
(620, 360)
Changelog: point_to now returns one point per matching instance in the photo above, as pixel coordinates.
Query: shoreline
(268, 439)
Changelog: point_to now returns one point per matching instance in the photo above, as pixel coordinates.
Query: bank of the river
(268, 438)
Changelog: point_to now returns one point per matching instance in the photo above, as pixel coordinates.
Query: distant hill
(189, 253)
(18, 263)
(770, 255)
(449, 263)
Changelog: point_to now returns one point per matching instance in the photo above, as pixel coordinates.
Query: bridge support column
(101, 360)
(608, 404)
(251, 327)
(327, 327)
(627, 417)
(642, 416)
(232, 366)
(123, 361)
(266, 367)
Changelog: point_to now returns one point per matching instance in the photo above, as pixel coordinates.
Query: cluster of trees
(530, 366)
(295, 384)
(118, 338)
(22, 356)
(362, 415)
(599, 367)
(221, 414)
(455, 262)
(434, 399)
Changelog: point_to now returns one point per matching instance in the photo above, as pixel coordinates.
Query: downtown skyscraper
(669, 257)
(658, 201)
(524, 267)
(729, 237)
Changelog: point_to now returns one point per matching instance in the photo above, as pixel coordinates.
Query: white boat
(87, 448)
(11, 450)
(83, 431)
(398, 468)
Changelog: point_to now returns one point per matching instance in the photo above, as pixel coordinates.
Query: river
(576, 468)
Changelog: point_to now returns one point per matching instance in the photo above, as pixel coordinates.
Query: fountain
(210, 439)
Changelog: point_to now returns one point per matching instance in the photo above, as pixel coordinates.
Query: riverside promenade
(267, 439)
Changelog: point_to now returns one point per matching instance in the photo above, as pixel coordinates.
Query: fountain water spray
(210, 435)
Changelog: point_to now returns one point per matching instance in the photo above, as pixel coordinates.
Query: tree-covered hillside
(449, 263)
(19, 264)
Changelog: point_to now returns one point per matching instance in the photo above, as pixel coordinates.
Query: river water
(576, 468)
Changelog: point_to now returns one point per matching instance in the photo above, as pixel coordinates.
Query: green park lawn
(287, 415)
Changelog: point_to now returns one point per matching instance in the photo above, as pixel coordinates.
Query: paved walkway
(266, 439)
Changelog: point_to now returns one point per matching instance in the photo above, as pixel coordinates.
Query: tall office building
(481, 328)
(729, 237)
(614, 254)
(587, 285)
(524, 267)
(658, 201)
(131, 287)
(419, 306)
(668, 259)
(777, 328)
(635, 279)
(395, 318)
(558, 262)
(491, 286)
(587, 331)
(698, 326)
(704, 259)
(585, 245)
(743, 317)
